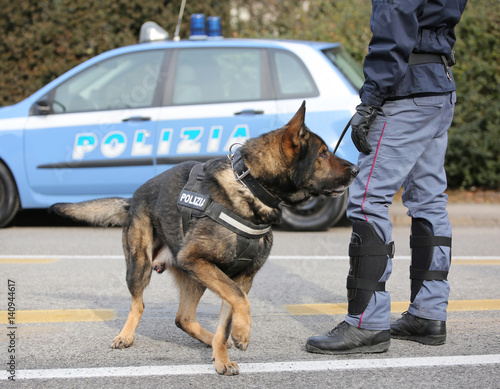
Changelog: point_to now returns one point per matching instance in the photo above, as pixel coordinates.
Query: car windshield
(347, 65)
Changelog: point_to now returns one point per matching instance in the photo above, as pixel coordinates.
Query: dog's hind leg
(190, 295)
(138, 249)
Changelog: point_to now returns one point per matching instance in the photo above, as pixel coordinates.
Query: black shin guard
(422, 243)
(368, 259)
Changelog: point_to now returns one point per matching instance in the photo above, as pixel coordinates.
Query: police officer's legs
(398, 140)
(370, 254)
(430, 242)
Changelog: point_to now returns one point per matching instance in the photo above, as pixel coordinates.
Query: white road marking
(249, 368)
(271, 257)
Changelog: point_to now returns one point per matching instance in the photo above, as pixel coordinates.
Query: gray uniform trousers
(409, 143)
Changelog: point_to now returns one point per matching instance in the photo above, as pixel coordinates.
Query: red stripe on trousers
(371, 171)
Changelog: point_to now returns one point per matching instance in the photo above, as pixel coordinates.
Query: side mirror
(41, 107)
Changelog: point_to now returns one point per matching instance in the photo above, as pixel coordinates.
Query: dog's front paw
(227, 368)
(122, 341)
(241, 331)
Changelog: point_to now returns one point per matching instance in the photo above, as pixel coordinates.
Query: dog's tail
(101, 212)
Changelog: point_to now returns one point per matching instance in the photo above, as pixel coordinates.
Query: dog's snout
(354, 169)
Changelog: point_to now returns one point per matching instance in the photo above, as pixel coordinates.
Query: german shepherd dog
(291, 164)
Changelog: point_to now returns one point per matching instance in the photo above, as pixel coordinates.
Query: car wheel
(9, 199)
(317, 214)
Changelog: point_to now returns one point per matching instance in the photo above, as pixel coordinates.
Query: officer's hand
(360, 123)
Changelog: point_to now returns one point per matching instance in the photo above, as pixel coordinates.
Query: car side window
(352, 71)
(216, 75)
(125, 81)
(292, 79)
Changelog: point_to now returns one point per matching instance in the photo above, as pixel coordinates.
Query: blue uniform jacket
(399, 28)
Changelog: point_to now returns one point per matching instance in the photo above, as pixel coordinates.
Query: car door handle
(137, 119)
(249, 112)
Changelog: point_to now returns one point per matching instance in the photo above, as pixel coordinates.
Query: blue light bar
(198, 27)
(214, 29)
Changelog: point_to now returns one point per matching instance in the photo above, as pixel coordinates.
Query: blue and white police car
(108, 125)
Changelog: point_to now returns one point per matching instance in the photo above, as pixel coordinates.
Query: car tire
(317, 214)
(9, 198)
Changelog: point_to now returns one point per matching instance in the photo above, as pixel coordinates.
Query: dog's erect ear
(296, 133)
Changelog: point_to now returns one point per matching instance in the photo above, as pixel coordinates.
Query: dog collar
(242, 174)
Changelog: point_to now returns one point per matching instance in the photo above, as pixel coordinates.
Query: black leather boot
(347, 339)
(426, 331)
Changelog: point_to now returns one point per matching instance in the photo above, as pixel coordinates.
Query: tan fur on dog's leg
(241, 322)
(126, 337)
(222, 363)
(220, 356)
(137, 246)
(190, 295)
(213, 278)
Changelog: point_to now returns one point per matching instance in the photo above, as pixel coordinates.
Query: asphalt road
(71, 300)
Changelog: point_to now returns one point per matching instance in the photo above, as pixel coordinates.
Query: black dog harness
(194, 202)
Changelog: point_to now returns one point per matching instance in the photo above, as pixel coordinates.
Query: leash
(342, 135)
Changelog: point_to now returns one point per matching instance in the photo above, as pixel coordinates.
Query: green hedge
(473, 158)
(45, 38)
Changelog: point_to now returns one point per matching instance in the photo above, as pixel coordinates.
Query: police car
(108, 125)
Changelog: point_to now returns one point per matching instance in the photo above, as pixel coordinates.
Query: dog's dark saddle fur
(193, 202)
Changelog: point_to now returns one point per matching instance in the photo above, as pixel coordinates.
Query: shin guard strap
(371, 250)
(359, 283)
(428, 275)
(429, 241)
